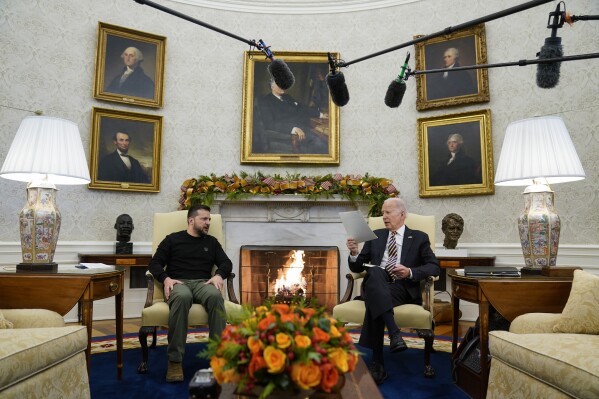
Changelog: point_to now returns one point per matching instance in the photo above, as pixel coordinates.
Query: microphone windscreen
(395, 94)
(548, 73)
(281, 74)
(338, 88)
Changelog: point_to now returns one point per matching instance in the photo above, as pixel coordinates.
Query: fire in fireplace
(286, 272)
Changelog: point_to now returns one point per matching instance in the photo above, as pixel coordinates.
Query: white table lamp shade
(46, 146)
(538, 148)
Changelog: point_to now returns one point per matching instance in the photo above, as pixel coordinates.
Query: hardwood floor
(106, 327)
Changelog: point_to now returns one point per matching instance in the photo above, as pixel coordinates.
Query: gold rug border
(109, 344)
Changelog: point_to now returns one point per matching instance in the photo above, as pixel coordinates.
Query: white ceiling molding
(296, 7)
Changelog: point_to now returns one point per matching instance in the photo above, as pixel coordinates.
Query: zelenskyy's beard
(200, 232)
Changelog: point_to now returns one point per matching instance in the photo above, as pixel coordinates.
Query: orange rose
(257, 362)
(309, 312)
(231, 376)
(330, 376)
(338, 357)
(275, 359)
(281, 308)
(302, 341)
(352, 359)
(255, 344)
(321, 335)
(283, 340)
(289, 317)
(305, 376)
(266, 322)
(217, 364)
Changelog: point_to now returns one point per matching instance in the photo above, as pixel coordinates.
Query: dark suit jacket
(463, 170)
(416, 254)
(112, 168)
(282, 116)
(457, 83)
(138, 84)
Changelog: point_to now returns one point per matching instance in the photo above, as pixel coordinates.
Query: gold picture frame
(138, 137)
(470, 170)
(119, 49)
(268, 130)
(438, 90)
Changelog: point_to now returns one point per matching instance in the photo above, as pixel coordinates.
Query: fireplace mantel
(286, 208)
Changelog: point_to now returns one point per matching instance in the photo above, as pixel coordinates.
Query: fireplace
(287, 272)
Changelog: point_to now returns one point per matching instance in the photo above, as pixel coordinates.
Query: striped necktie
(392, 252)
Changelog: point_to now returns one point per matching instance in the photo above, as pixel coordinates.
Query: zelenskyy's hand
(169, 283)
(352, 245)
(216, 281)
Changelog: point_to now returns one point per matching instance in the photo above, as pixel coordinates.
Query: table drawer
(466, 292)
(107, 287)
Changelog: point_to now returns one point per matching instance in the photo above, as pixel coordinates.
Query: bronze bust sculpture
(124, 227)
(453, 227)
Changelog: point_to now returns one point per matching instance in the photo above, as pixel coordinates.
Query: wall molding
(308, 7)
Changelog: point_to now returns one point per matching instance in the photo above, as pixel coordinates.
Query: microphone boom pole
(196, 21)
(448, 30)
(504, 64)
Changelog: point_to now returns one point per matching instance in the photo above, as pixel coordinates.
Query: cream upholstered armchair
(156, 311)
(419, 318)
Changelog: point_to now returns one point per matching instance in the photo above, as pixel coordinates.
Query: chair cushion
(3, 322)
(406, 316)
(27, 351)
(581, 314)
(157, 314)
(568, 362)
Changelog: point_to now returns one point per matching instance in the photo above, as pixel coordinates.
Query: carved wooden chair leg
(143, 341)
(429, 338)
(154, 337)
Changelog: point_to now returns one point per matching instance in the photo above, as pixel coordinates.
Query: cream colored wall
(48, 50)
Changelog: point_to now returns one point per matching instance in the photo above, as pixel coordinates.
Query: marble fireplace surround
(286, 220)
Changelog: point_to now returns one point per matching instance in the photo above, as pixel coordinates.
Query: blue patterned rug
(405, 370)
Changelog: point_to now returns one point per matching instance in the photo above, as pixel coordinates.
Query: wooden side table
(453, 262)
(511, 297)
(137, 264)
(61, 290)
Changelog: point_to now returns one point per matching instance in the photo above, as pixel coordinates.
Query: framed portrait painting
(455, 155)
(295, 126)
(449, 88)
(125, 151)
(129, 66)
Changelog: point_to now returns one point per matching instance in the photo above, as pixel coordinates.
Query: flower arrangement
(284, 346)
(352, 187)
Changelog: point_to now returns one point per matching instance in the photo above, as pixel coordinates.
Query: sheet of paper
(95, 265)
(356, 227)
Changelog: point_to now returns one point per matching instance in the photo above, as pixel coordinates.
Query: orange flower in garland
(293, 346)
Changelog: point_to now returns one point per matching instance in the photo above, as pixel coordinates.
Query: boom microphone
(336, 84)
(397, 88)
(281, 74)
(278, 69)
(548, 73)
